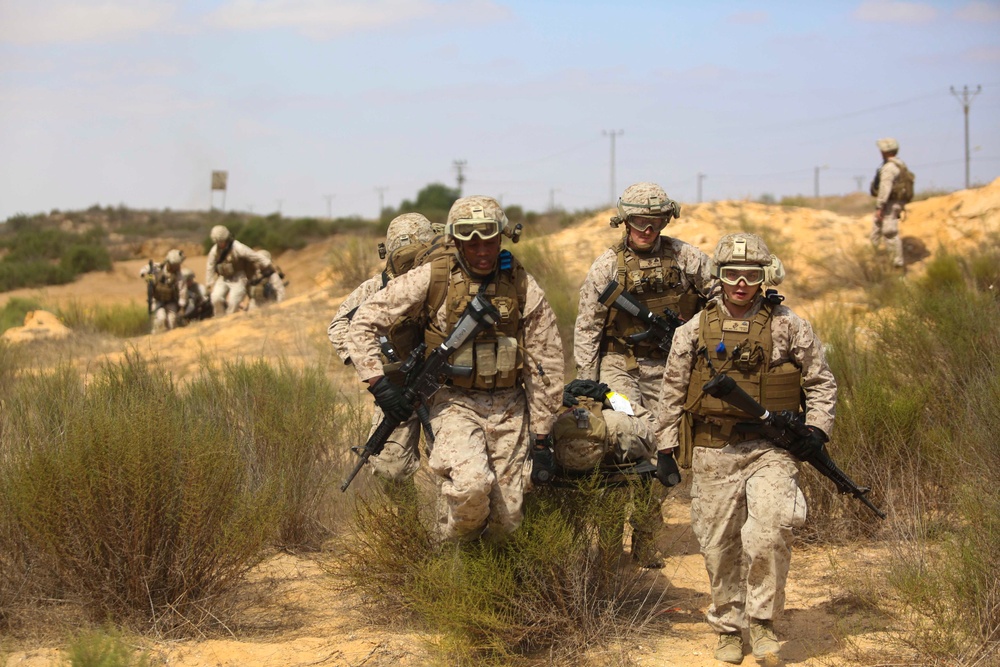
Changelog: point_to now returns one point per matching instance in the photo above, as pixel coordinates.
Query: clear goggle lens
(751, 275)
(464, 230)
(642, 223)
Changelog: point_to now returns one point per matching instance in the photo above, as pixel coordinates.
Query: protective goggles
(642, 223)
(465, 229)
(734, 273)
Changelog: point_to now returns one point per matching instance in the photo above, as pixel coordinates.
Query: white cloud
(59, 21)
(893, 11)
(979, 12)
(322, 19)
(749, 18)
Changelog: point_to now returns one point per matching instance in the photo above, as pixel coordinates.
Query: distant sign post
(219, 181)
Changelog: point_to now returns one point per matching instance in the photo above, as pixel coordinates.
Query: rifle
(660, 327)
(150, 281)
(783, 429)
(422, 377)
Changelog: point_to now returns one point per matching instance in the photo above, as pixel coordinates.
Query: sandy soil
(316, 626)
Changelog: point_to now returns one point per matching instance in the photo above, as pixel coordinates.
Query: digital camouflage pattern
(337, 331)
(745, 498)
(406, 229)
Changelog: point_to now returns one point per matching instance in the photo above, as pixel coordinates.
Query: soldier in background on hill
(400, 458)
(661, 272)
(166, 296)
(892, 192)
(230, 264)
(745, 495)
(483, 419)
(265, 289)
(199, 306)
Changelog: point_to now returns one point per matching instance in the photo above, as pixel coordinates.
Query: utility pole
(613, 134)
(381, 201)
(816, 180)
(552, 199)
(965, 101)
(459, 169)
(701, 177)
(860, 181)
(329, 206)
(279, 202)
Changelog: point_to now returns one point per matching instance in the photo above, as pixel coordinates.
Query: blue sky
(135, 102)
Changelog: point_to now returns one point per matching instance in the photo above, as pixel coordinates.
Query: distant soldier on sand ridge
(892, 188)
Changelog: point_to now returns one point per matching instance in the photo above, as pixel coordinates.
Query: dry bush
(355, 260)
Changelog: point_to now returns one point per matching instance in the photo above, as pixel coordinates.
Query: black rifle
(783, 429)
(422, 376)
(660, 327)
(150, 282)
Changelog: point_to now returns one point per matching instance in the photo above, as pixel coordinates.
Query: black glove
(807, 446)
(666, 469)
(390, 398)
(543, 463)
(590, 388)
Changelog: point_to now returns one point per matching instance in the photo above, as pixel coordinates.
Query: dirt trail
(318, 627)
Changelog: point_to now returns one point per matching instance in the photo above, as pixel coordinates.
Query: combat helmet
(175, 257)
(646, 199)
(746, 250)
(888, 145)
(219, 234)
(475, 216)
(187, 274)
(406, 229)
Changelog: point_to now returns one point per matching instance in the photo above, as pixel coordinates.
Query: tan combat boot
(764, 643)
(730, 648)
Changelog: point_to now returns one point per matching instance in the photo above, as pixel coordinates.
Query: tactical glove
(390, 398)
(666, 469)
(543, 463)
(807, 446)
(590, 388)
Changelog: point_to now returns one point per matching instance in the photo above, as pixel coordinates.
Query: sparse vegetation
(103, 648)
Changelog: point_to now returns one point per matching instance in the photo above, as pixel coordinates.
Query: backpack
(902, 187)
(406, 257)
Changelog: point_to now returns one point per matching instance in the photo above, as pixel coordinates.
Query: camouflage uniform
(400, 457)
(887, 228)
(599, 358)
(481, 435)
(745, 497)
(264, 289)
(199, 306)
(169, 296)
(228, 278)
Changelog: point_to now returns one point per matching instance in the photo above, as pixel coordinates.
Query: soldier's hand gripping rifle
(422, 376)
(784, 429)
(660, 327)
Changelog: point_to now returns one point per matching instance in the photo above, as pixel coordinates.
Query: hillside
(305, 622)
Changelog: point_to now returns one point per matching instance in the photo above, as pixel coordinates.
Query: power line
(966, 101)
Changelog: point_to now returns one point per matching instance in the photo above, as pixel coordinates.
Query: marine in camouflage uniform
(199, 307)
(166, 285)
(745, 496)
(885, 221)
(400, 458)
(229, 266)
(481, 422)
(266, 286)
(661, 272)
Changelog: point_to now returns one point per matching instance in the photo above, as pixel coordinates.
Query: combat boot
(644, 551)
(764, 643)
(730, 648)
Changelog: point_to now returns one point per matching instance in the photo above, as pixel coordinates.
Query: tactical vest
(496, 354)
(227, 265)
(166, 289)
(655, 280)
(902, 185)
(742, 349)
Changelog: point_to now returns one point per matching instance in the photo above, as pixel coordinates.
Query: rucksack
(902, 187)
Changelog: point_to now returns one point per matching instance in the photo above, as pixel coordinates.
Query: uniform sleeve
(246, 253)
(278, 284)
(696, 268)
(542, 342)
(405, 295)
(182, 293)
(210, 274)
(887, 176)
(676, 377)
(806, 351)
(337, 331)
(591, 317)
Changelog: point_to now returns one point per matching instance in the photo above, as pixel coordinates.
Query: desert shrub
(103, 648)
(14, 311)
(32, 273)
(147, 515)
(917, 420)
(556, 584)
(119, 320)
(281, 420)
(354, 261)
(79, 258)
